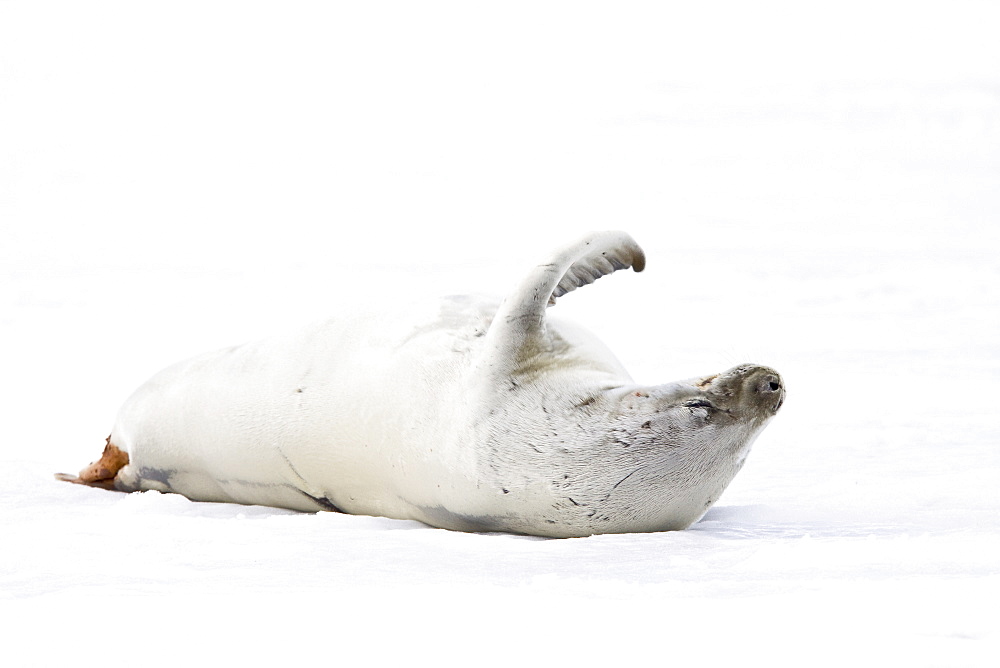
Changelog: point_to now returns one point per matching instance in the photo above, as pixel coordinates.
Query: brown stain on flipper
(102, 472)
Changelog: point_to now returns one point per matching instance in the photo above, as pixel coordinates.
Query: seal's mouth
(780, 401)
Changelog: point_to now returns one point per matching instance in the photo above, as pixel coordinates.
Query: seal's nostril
(769, 384)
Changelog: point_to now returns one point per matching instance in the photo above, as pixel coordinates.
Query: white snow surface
(816, 186)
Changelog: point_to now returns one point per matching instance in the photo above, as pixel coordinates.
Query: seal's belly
(345, 416)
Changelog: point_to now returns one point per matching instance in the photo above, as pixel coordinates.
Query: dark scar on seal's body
(322, 501)
(624, 479)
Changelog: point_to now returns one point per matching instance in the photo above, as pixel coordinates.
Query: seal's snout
(768, 387)
(751, 386)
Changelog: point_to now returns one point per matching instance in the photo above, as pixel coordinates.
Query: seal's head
(722, 412)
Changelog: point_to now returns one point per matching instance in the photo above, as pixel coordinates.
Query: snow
(816, 188)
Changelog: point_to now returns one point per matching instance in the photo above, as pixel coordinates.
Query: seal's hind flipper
(520, 320)
(102, 472)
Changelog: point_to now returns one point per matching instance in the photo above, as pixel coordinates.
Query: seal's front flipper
(519, 325)
(593, 257)
(102, 472)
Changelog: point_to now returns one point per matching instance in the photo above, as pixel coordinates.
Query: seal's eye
(698, 403)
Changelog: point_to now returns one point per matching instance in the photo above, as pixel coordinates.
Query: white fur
(468, 416)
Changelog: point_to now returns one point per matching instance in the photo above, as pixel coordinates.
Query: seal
(472, 415)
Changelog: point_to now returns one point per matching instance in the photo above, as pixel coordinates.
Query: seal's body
(472, 416)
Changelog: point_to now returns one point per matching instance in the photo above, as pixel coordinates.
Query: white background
(816, 189)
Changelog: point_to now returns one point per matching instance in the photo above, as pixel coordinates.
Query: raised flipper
(102, 472)
(518, 329)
